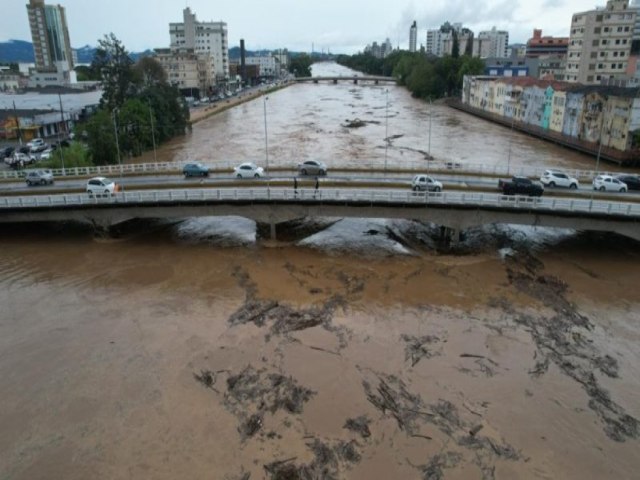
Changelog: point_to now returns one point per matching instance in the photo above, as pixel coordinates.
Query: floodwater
(349, 349)
(307, 121)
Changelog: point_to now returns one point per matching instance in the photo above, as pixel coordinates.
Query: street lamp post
(266, 140)
(59, 139)
(386, 133)
(115, 129)
(153, 134)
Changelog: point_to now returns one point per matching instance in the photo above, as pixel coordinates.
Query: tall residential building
(379, 51)
(440, 42)
(203, 37)
(492, 43)
(435, 40)
(50, 35)
(539, 46)
(600, 43)
(413, 37)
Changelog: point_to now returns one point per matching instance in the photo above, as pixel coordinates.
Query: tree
(455, 48)
(148, 72)
(300, 65)
(114, 64)
(101, 138)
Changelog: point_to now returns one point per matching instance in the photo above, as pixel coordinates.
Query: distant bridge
(353, 78)
(454, 211)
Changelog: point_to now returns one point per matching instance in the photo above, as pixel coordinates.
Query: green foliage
(114, 64)
(300, 65)
(76, 155)
(87, 74)
(136, 97)
(101, 138)
(425, 77)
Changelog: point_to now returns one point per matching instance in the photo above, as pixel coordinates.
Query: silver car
(39, 177)
(312, 167)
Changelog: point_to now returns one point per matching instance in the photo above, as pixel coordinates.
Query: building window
(596, 30)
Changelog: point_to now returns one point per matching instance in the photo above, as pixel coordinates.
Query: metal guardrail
(343, 196)
(363, 165)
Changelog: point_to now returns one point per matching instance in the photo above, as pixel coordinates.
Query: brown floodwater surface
(100, 343)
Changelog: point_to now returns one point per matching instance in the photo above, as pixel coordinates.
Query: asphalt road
(360, 179)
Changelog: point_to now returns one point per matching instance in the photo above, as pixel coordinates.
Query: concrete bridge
(453, 211)
(355, 79)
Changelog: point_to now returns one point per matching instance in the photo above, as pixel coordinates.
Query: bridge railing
(364, 165)
(396, 198)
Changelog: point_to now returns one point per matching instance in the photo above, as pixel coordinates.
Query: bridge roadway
(455, 211)
(352, 78)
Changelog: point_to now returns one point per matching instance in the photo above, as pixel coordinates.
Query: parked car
(195, 170)
(248, 170)
(556, 178)
(6, 151)
(609, 184)
(312, 167)
(46, 155)
(39, 177)
(18, 160)
(423, 183)
(520, 186)
(101, 186)
(632, 181)
(37, 145)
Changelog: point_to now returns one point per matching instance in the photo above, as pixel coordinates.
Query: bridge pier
(335, 81)
(315, 81)
(272, 230)
(376, 82)
(450, 236)
(355, 81)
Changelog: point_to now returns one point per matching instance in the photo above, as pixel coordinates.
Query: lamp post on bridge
(266, 141)
(115, 129)
(386, 133)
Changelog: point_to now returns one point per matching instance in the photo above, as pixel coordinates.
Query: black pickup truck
(520, 186)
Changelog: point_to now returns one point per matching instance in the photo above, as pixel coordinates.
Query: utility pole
(59, 131)
(153, 135)
(15, 113)
(429, 147)
(115, 129)
(266, 141)
(386, 138)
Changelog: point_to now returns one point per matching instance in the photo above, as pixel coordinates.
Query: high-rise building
(50, 35)
(413, 37)
(435, 40)
(491, 44)
(203, 37)
(187, 70)
(600, 43)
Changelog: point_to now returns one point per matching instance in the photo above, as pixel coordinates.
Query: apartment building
(539, 46)
(491, 43)
(186, 69)
(208, 38)
(440, 42)
(50, 36)
(413, 37)
(600, 43)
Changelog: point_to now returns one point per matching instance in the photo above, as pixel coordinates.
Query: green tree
(300, 65)
(134, 127)
(113, 63)
(148, 72)
(101, 138)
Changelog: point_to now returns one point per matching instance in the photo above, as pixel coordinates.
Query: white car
(101, 186)
(46, 155)
(248, 170)
(556, 178)
(312, 167)
(609, 184)
(425, 183)
(37, 145)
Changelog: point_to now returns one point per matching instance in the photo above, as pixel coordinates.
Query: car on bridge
(632, 181)
(101, 186)
(556, 178)
(39, 177)
(248, 170)
(520, 186)
(312, 167)
(607, 183)
(195, 170)
(426, 183)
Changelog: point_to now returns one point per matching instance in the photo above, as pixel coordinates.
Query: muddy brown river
(348, 349)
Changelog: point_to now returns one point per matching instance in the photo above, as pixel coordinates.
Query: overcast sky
(342, 26)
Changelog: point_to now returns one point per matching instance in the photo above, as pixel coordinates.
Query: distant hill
(15, 51)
